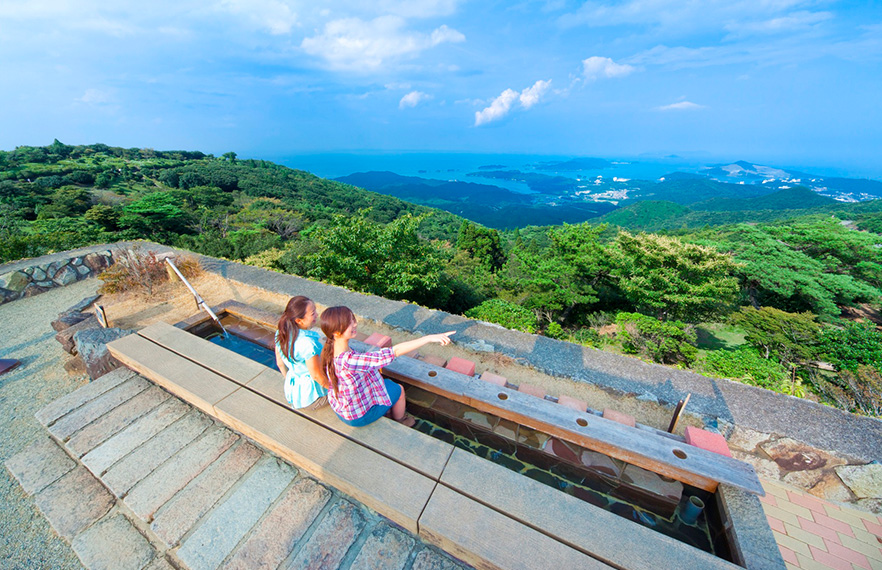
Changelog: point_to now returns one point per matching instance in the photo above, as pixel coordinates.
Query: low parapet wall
(29, 277)
(757, 422)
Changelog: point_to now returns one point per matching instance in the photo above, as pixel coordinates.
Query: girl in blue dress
(297, 355)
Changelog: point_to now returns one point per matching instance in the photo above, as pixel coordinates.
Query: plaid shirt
(359, 384)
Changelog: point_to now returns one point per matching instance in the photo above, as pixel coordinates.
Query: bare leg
(398, 407)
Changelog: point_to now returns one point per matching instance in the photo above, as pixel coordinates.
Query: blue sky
(785, 82)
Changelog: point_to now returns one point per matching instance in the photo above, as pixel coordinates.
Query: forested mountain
(766, 287)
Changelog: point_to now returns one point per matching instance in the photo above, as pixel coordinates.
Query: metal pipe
(200, 302)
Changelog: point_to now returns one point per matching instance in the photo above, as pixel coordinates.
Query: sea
(457, 166)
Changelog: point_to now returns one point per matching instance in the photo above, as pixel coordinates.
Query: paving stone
(143, 460)
(102, 457)
(113, 544)
(77, 398)
(765, 468)
(115, 420)
(461, 365)
(332, 538)
(792, 455)
(40, 464)
(74, 502)
(161, 485)
(428, 559)
(76, 420)
(160, 564)
(180, 514)
(385, 548)
(378, 340)
(278, 533)
(747, 439)
(219, 533)
(434, 360)
(865, 481)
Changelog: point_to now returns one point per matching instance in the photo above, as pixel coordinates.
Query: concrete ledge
(584, 527)
(486, 538)
(387, 487)
(180, 376)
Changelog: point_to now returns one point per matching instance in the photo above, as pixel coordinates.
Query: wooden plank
(485, 538)
(216, 358)
(411, 448)
(181, 377)
(585, 527)
(689, 464)
(387, 487)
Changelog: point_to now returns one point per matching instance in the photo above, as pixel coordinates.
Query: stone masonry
(134, 478)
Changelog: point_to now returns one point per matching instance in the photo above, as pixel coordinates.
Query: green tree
(786, 337)
(504, 313)
(68, 201)
(105, 216)
(391, 261)
(155, 214)
(748, 366)
(852, 346)
(667, 342)
(482, 244)
(671, 279)
(772, 272)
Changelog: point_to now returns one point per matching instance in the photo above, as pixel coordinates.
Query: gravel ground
(26, 539)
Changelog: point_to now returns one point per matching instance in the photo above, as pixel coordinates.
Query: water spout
(200, 302)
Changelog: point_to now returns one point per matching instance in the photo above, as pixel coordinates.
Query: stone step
(194, 494)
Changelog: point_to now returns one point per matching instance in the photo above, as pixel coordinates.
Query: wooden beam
(685, 463)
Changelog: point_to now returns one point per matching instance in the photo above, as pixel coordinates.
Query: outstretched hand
(441, 338)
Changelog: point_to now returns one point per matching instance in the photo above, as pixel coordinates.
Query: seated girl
(297, 355)
(358, 394)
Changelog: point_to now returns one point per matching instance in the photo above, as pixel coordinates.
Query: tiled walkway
(134, 478)
(814, 534)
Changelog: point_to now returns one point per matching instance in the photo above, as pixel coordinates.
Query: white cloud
(96, 97)
(680, 106)
(274, 16)
(792, 22)
(502, 105)
(531, 95)
(354, 44)
(497, 109)
(413, 99)
(595, 67)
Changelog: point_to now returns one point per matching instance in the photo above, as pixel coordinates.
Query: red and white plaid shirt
(359, 384)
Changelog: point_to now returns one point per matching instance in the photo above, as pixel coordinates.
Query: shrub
(852, 346)
(748, 366)
(667, 342)
(504, 313)
(554, 330)
(135, 270)
(587, 337)
(859, 391)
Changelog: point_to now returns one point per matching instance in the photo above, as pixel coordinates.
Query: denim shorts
(379, 410)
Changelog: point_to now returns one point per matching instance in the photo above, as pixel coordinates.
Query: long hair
(288, 330)
(334, 320)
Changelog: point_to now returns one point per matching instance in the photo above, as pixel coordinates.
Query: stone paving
(136, 479)
(813, 533)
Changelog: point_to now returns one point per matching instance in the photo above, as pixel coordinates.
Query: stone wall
(21, 280)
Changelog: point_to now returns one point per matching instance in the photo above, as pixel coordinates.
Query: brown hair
(334, 320)
(288, 330)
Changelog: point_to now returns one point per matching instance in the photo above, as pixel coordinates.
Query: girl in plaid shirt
(358, 393)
